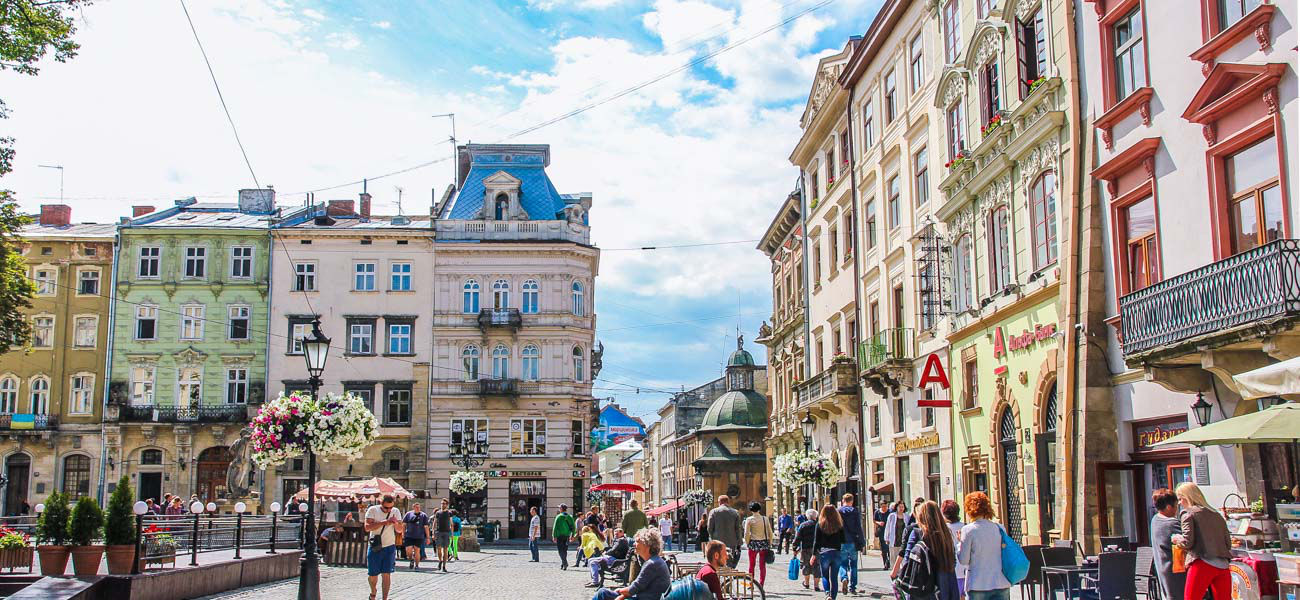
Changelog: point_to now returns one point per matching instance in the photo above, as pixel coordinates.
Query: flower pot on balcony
(86, 559)
(16, 558)
(119, 558)
(54, 559)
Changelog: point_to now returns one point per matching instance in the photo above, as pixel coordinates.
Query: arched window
(998, 234)
(531, 293)
(961, 276)
(8, 395)
(151, 456)
(469, 359)
(579, 365)
(500, 362)
(500, 294)
(579, 304)
(502, 204)
(1010, 473)
(40, 397)
(532, 357)
(1042, 206)
(471, 296)
(76, 475)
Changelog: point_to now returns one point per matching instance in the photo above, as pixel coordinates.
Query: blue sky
(330, 92)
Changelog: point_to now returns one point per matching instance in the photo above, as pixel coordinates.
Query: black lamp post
(1202, 410)
(315, 349)
(466, 454)
(808, 425)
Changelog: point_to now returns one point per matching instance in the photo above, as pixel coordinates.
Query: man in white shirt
(534, 533)
(383, 521)
(666, 530)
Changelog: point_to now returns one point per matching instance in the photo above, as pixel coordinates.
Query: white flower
(334, 426)
(467, 482)
(797, 468)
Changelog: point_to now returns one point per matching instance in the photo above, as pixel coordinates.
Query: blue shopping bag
(794, 568)
(1015, 565)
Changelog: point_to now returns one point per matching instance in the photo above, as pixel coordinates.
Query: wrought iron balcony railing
(498, 387)
(896, 344)
(28, 421)
(500, 317)
(222, 413)
(839, 378)
(1258, 284)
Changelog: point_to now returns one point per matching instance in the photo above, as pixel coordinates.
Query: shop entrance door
(526, 494)
(1122, 511)
(17, 469)
(151, 486)
(1010, 476)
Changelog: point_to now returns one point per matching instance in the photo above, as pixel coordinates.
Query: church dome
(737, 409)
(741, 358)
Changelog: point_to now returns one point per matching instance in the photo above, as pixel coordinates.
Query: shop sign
(579, 474)
(925, 440)
(505, 473)
(934, 374)
(1023, 341)
(1146, 435)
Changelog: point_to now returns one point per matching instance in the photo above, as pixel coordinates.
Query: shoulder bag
(768, 555)
(1015, 565)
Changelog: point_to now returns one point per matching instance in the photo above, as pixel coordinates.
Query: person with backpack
(928, 570)
(854, 542)
(803, 546)
(981, 551)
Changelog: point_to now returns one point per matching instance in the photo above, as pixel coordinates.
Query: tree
(119, 524)
(29, 30)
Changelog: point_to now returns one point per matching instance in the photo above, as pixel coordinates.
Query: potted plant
(15, 551)
(159, 547)
(119, 529)
(83, 529)
(52, 529)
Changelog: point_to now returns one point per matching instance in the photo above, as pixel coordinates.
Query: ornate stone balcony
(219, 413)
(831, 391)
(492, 231)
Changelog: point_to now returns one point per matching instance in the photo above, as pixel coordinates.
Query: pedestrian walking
(804, 537)
(702, 529)
(653, 580)
(442, 534)
(827, 541)
(854, 542)
(952, 514)
(534, 533)
(895, 525)
(1206, 545)
(563, 530)
(981, 551)
(455, 534)
(634, 520)
(384, 524)
(785, 530)
(724, 526)
(616, 551)
(715, 555)
(1164, 526)
(880, 517)
(758, 540)
(417, 530)
(666, 531)
(929, 557)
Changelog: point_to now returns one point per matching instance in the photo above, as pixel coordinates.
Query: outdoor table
(1070, 573)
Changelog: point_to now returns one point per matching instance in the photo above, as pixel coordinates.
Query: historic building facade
(51, 393)
(368, 278)
(188, 346)
(513, 328)
(729, 455)
(1195, 107)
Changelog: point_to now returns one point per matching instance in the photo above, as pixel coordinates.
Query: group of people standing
(1184, 519)
(385, 525)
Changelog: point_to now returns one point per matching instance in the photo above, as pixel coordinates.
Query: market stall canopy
(369, 490)
(1277, 379)
(617, 487)
(659, 510)
(1280, 423)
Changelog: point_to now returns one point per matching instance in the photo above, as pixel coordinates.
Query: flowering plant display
(331, 426)
(467, 482)
(841, 357)
(11, 539)
(595, 497)
(992, 124)
(830, 179)
(956, 160)
(813, 206)
(1033, 85)
(797, 467)
(698, 497)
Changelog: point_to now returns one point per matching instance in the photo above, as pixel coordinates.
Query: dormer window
(502, 207)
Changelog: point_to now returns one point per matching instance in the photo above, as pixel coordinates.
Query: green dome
(744, 409)
(741, 358)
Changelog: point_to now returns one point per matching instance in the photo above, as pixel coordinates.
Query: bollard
(194, 543)
(273, 520)
(135, 563)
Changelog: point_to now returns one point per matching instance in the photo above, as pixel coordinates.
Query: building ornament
(1263, 35)
(1207, 130)
(189, 357)
(987, 43)
(953, 86)
(1025, 9)
(825, 85)
(1270, 99)
(1042, 158)
(143, 360)
(237, 360)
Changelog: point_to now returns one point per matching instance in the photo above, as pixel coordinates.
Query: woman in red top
(716, 553)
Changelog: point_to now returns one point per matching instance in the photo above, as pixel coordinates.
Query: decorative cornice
(1139, 100)
(1229, 86)
(1258, 21)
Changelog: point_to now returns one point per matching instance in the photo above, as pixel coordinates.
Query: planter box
(17, 558)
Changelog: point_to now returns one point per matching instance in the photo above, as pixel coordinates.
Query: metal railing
(1258, 284)
(839, 378)
(895, 344)
(498, 387)
(500, 317)
(28, 421)
(166, 538)
(221, 413)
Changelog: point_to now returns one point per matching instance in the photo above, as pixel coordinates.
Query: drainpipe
(108, 367)
(807, 302)
(266, 381)
(1072, 360)
(857, 311)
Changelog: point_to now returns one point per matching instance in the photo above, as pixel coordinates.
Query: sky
(328, 93)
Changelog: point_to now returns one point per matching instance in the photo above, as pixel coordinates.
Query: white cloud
(345, 40)
(381, 25)
(313, 14)
(581, 4)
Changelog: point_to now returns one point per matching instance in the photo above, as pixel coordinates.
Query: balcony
(493, 231)
(1255, 289)
(886, 359)
(492, 388)
(500, 317)
(21, 422)
(221, 413)
(829, 390)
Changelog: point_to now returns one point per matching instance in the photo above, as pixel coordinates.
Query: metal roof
(205, 214)
(374, 222)
(106, 230)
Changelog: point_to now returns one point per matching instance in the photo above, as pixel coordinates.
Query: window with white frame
(580, 439)
(88, 282)
(532, 357)
(399, 338)
(917, 62)
(528, 437)
(40, 396)
(196, 262)
(469, 361)
(84, 332)
(470, 292)
(304, 277)
(579, 300)
(150, 257)
(82, 393)
(500, 362)
(465, 432)
(8, 395)
(500, 294)
(891, 98)
(364, 277)
(189, 387)
(43, 332)
(241, 262)
(142, 385)
(921, 176)
(239, 317)
(46, 281)
(999, 250)
(868, 130)
(401, 277)
(299, 329)
(236, 386)
(361, 337)
(961, 277)
(192, 322)
(894, 203)
(579, 365)
(531, 295)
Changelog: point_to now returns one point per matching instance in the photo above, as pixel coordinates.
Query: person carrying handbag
(758, 539)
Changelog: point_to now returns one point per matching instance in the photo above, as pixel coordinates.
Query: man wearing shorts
(442, 533)
(417, 530)
(383, 521)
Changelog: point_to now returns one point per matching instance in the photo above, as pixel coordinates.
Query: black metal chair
(1033, 580)
(618, 570)
(1115, 578)
(1144, 574)
(1117, 541)
(1056, 556)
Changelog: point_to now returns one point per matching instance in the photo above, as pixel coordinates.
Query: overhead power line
(220, 97)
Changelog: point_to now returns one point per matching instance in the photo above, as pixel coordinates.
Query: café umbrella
(1276, 424)
(1278, 379)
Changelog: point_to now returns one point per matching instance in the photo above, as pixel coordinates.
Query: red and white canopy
(368, 490)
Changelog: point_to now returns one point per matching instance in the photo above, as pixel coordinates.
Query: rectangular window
(873, 313)
(88, 282)
(43, 332)
(1231, 11)
(951, 33)
(196, 262)
(528, 437)
(142, 386)
(576, 430)
(401, 279)
(999, 250)
(298, 329)
(466, 432)
(361, 337)
(1142, 253)
(150, 256)
(364, 391)
(836, 342)
(397, 406)
(241, 262)
(875, 421)
(83, 393)
(970, 380)
(1255, 208)
(833, 236)
(956, 131)
(851, 330)
(1031, 50)
(900, 415)
(870, 223)
(984, 7)
(85, 331)
(1042, 206)
(239, 317)
(1130, 54)
(990, 93)
(918, 63)
(846, 223)
(933, 476)
(927, 413)
(921, 177)
(364, 279)
(146, 322)
(904, 476)
(399, 338)
(895, 211)
(192, 322)
(46, 281)
(891, 98)
(236, 386)
(304, 277)
(817, 264)
(868, 130)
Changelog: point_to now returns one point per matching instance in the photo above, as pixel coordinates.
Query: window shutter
(984, 95)
(1023, 56)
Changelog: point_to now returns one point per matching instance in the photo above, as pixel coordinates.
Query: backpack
(688, 588)
(918, 578)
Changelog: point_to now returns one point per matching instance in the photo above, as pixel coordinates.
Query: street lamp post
(315, 349)
(808, 426)
(466, 454)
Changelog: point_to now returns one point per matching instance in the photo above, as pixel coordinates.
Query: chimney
(137, 211)
(337, 208)
(365, 205)
(55, 215)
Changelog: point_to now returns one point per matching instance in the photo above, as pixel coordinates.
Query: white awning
(1277, 379)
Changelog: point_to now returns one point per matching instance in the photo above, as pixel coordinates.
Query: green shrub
(119, 524)
(52, 526)
(87, 522)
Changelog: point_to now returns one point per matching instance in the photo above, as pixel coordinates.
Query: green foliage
(16, 290)
(52, 526)
(87, 521)
(119, 525)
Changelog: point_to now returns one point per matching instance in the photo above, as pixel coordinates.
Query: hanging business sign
(934, 374)
(1146, 435)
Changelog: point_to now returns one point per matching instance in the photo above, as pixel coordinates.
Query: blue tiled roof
(537, 194)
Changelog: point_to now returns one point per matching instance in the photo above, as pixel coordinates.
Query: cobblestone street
(507, 574)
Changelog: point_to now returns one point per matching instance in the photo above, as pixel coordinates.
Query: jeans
(828, 563)
(605, 594)
(1004, 594)
(532, 547)
(884, 552)
(597, 564)
(849, 565)
(668, 542)
(562, 545)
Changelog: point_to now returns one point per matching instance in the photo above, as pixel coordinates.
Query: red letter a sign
(934, 373)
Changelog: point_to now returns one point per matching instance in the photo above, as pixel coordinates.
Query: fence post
(194, 540)
(240, 507)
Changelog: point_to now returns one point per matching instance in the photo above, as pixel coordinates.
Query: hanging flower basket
(956, 161)
(1033, 85)
(595, 497)
(332, 426)
(797, 468)
(699, 497)
(467, 482)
